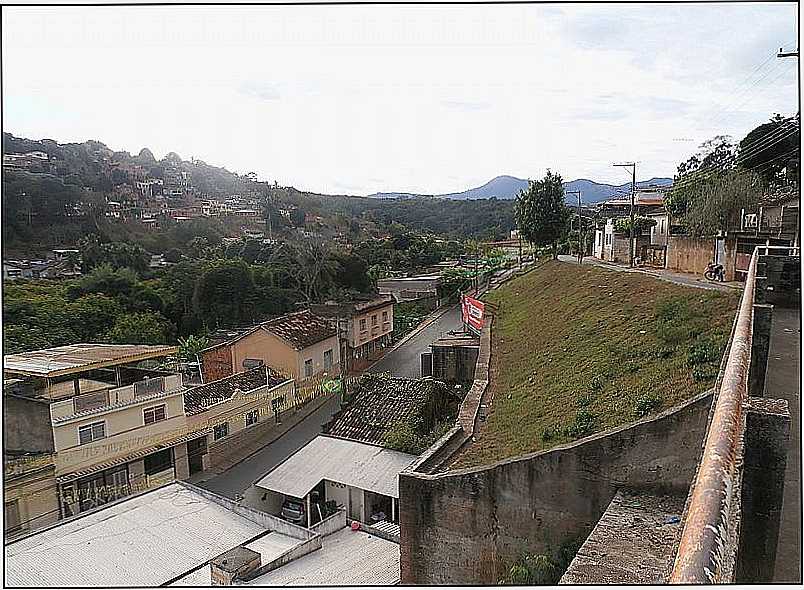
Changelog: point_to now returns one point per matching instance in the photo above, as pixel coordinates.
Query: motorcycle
(714, 272)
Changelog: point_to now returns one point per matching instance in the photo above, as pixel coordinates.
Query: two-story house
(300, 345)
(111, 416)
(365, 327)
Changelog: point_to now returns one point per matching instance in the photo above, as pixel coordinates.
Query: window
(220, 431)
(252, 363)
(385, 316)
(308, 368)
(91, 432)
(159, 461)
(328, 359)
(252, 417)
(155, 414)
(374, 320)
(363, 324)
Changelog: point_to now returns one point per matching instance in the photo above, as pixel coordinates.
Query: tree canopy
(542, 216)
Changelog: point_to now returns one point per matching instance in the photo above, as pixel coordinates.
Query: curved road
(405, 360)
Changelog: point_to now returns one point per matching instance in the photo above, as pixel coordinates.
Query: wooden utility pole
(633, 191)
(580, 234)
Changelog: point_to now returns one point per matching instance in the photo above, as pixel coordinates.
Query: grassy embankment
(578, 350)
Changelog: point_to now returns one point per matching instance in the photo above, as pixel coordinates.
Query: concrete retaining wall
(468, 526)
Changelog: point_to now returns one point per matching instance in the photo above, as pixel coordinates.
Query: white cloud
(426, 99)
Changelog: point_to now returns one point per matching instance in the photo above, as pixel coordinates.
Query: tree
(223, 291)
(140, 328)
(542, 216)
(173, 255)
(714, 157)
(190, 347)
(771, 150)
(715, 205)
(312, 270)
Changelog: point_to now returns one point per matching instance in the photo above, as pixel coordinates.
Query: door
(720, 251)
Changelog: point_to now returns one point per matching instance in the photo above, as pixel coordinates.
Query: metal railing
(708, 545)
(708, 527)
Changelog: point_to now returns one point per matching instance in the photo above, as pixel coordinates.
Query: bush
(647, 404)
(703, 351)
(704, 372)
(597, 383)
(533, 570)
(583, 401)
(585, 424)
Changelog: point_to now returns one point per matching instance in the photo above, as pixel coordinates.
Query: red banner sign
(472, 312)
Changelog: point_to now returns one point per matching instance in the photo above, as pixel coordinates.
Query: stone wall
(467, 526)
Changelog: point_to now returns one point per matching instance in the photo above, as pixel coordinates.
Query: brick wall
(216, 363)
(468, 526)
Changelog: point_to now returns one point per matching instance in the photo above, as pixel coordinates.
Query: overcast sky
(358, 99)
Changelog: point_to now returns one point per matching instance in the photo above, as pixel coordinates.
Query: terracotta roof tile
(379, 403)
(301, 329)
(203, 397)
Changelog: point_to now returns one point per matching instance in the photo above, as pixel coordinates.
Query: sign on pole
(473, 312)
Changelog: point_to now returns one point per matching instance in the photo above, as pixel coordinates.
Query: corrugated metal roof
(352, 463)
(269, 547)
(346, 558)
(145, 540)
(74, 358)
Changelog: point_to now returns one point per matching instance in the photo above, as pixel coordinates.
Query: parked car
(293, 511)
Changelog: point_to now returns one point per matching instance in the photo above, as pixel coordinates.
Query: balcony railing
(118, 396)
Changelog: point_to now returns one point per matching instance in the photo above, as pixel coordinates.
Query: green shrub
(547, 434)
(704, 372)
(703, 351)
(597, 383)
(533, 570)
(584, 400)
(647, 404)
(585, 424)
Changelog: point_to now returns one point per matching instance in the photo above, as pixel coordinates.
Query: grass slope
(578, 350)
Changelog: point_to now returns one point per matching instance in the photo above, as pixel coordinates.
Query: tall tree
(772, 151)
(542, 215)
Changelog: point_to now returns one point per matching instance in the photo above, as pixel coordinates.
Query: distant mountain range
(508, 187)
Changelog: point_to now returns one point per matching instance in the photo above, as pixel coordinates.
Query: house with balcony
(301, 345)
(111, 415)
(365, 326)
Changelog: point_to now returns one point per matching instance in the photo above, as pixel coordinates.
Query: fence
(709, 539)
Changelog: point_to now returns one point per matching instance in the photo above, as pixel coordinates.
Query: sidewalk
(683, 279)
(238, 451)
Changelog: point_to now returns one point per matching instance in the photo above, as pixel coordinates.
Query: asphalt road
(405, 360)
(236, 480)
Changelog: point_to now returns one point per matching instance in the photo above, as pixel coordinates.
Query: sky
(426, 99)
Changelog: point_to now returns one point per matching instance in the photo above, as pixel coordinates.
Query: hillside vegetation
(578, 350)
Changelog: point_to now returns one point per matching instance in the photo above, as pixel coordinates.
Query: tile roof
(198, 399)
(301, 329)
(378, 403)
(348, 462)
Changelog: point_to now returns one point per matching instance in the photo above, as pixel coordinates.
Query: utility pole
(580, 235)
(633, 190)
